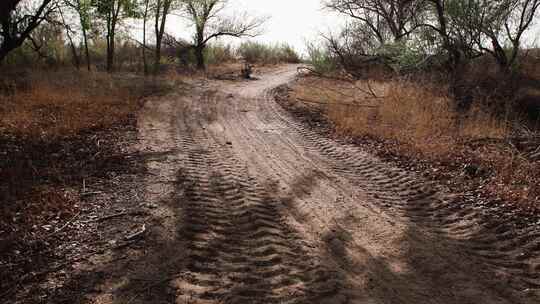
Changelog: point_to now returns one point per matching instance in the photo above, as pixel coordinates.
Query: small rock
(229, 143)
(150, 206)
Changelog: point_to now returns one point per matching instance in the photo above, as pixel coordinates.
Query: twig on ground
(85, 194)
(131, 238)
(136, 234)
(116, 215)
(63, 227)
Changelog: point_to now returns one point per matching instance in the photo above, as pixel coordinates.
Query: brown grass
(402, 111)
(421, 122)
(64, 104)
(57, 129)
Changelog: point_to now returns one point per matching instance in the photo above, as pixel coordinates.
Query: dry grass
(399, 110)
(420, 122)
(61, 104)
(57, 129)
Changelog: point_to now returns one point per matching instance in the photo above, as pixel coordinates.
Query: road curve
(269, 211)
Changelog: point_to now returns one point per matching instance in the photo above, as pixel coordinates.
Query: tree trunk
(157, 59)
(86, 50)
(7, 46)
(10, 39)
(161, 18)
(3, 54)
(145, 18)
(453, 53)
(110, 54)
(76, 59)
(111, 32)
(199, 54)
(500, 56)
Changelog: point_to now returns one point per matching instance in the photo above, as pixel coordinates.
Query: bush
(218, 53)
(256, 52)
(320, 59)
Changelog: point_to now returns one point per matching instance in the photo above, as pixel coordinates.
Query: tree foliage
(458, 29)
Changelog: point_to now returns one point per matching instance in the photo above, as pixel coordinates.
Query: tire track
(240, 248)
(498, 241)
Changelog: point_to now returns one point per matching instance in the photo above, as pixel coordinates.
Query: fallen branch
(321, 75)
(116, 215)
(369, 91)
(130, 239)
(63, 227)
(86, 194)
(136, 234)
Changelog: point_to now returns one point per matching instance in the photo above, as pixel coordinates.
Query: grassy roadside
(58, 130)
(407, 122)
(62, 130)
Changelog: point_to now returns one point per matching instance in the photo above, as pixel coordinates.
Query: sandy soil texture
(252, 206)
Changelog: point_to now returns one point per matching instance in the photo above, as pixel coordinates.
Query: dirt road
(257, 208)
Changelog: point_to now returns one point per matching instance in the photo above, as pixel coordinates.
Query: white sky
(291, 21)
(294, 21)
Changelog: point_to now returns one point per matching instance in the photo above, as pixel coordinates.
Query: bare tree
(210, 22)
(471, 28)
(504, 25)
(113, 12)
(145, 20)
(162, 10)
(386, 19)
(69, 31)
(18, 19)
(441, 25)
(83, 9)
(177, 49)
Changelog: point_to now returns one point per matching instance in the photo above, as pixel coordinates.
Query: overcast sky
(294, 21)
(291, 21)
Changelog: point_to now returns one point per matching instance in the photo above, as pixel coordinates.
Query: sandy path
(263, 210)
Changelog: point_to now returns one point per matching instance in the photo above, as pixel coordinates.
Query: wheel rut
(499, 241)
(270, 211)
(240, 250)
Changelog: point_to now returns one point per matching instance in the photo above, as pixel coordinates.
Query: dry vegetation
(57, 129)
(419, 120)
(60, 128)
(54, 109)
(399, 110)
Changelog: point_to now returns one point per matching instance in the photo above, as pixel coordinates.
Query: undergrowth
(58, 128)
(58, 104)
(420, 120)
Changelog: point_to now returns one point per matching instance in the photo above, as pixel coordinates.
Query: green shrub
(256, 52)
(320, 59)
(219, 53)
